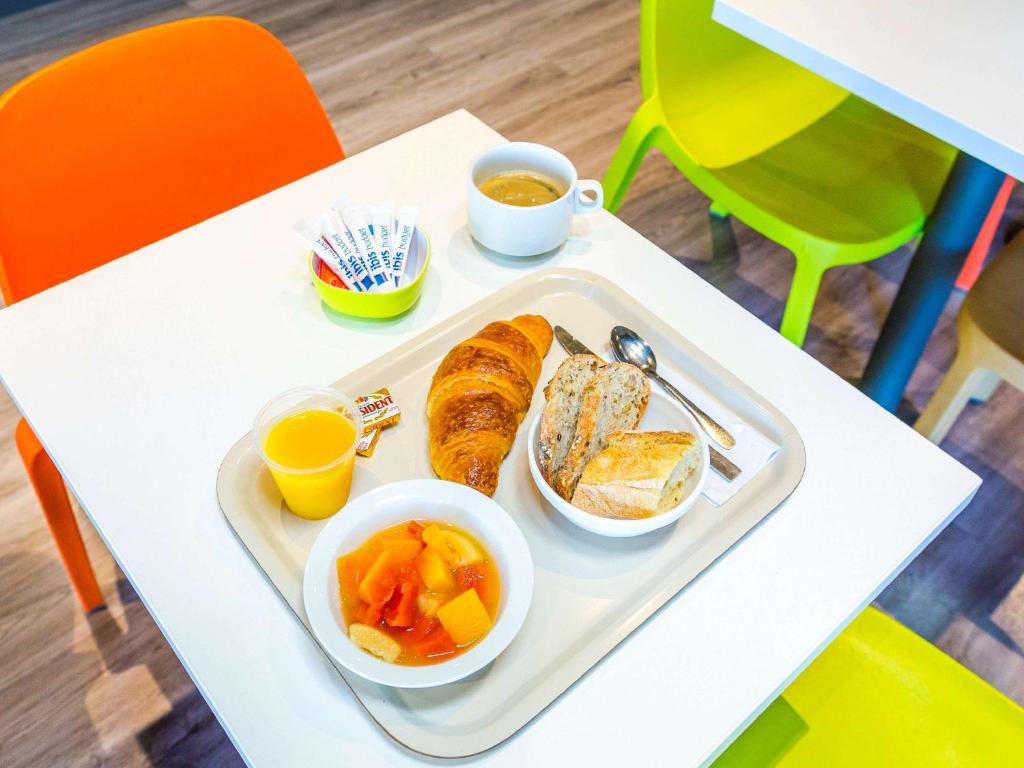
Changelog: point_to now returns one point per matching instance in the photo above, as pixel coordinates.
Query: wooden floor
(107, 690)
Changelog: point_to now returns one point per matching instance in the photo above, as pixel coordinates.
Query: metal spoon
(631, 348)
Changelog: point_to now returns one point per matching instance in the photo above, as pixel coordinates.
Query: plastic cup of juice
(307, 437)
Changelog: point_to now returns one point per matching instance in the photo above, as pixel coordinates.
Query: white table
(952, 68)
(156, 363)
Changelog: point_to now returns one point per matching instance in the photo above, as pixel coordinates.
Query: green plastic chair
(879, 695)
(821, 172)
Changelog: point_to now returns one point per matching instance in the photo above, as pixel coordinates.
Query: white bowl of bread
(610, 454)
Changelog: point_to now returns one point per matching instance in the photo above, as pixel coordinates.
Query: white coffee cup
(527, 230)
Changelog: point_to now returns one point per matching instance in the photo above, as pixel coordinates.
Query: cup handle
(582, 204)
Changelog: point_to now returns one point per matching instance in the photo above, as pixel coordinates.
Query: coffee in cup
(523, 188)
(522, 197)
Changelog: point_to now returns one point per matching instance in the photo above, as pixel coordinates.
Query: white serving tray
(590, 591)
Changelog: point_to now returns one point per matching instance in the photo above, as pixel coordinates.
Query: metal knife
(719, 462)
(569, 343)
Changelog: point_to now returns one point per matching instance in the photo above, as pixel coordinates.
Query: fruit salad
(419, 592)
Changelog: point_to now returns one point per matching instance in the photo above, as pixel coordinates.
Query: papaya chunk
(437, 643)
(382, 577)
(371, 614)
(401, 611)
(468, 577)
(422, 626)
(465, 618)
(351, 569)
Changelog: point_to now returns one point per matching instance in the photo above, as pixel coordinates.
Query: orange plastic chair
(129, 141)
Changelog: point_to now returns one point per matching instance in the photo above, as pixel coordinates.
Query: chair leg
(800, 303)
(718, 210)
(624, 165)
(987, 383)
(979, 366)
(53, 498)
(949, 399)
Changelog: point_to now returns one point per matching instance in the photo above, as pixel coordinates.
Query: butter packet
(368, 442)
(379, 411)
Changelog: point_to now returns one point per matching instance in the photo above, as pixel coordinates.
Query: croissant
(480, 393)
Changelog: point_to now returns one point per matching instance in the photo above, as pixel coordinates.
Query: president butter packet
(379, 411)
(368, 442)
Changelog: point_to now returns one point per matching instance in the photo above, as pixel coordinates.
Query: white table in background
(952, 68)
(156, 363)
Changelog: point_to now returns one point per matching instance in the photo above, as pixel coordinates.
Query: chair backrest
(138, 137)
(727, 97)
(996, 302)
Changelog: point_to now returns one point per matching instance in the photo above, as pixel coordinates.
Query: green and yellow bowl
(377, 305)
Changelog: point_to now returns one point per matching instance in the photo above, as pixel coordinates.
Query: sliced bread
(563, 393)
(614, 400)
(638, 474)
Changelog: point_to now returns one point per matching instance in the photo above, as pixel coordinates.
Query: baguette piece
(638, 475)
(614, 400)
(564, 395)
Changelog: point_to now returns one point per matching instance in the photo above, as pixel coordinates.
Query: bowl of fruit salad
(418, 583)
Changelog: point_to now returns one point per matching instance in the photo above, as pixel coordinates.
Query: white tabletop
(951, 68)
(156, 363)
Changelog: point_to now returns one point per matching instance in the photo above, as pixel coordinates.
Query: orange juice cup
(307, 436)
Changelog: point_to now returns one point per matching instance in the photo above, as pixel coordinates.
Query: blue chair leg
(951, 230)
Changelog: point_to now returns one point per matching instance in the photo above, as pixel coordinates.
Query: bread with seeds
(564, 395)
(614, 401)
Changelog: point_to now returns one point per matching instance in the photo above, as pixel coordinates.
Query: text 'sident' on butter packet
(382, 218)
(360, 228)
(333, 228)
(403, 242)
(326, 254)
